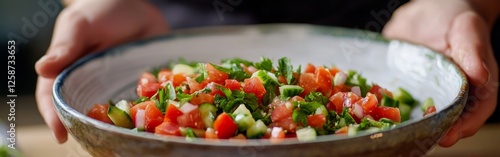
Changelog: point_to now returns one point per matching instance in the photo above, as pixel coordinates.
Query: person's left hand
(457, 29)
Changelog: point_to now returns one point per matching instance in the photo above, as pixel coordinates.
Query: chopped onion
(339, 78)
(356, 90)
(276, 131)
(187, 107)
(358, 110)
(140, 118)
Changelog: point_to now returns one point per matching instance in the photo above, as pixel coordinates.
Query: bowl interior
(113, 74)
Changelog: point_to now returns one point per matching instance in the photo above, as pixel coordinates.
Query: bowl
(113, 74)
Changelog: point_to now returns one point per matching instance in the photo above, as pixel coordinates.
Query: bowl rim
(213, 30)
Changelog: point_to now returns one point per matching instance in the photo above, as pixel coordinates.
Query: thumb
(68, 43)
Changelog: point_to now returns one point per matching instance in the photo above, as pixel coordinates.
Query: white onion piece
(356, 90)
(358, 110)
(187, 107)
(140, 118)
(276, 131)
(339, 78)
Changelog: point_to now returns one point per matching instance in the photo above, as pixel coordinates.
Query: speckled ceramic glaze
(113, 74)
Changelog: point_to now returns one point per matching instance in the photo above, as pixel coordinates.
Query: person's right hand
(89, 26)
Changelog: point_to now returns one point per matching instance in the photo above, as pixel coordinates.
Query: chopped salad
(240, 99)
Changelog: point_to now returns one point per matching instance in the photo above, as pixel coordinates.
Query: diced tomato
(308, 82)
(210, 134)
(285, 123)
(178, 79)
(316, 121)
(297, 98)
(255, 86)
(214, 75)
(342, 130)
(153, 116)
(224, 126)
(164, 75)
(168, 128)
(324, 80)
(100, 112)
(310, 68)
(341, 100)
(250, 69)
(232, 84)
(148, 90)
(172, 113)
(282, 79)
(193, 85)
(379, 91)
(334, 70)
(281, 111)
(201, 98)
(429, 110)
(192, 119)
(387, 112)
(368, 103)
(146, 78)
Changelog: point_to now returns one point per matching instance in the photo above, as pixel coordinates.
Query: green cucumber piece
(123, 105)
(208, 112)
(321, 110)
(267, 78)
(404, 97)
(427, 103)
(257, 130)
(404, 111)
(244, 121)
(119, 117)
(389, 102)
(290, 90)
(306, 134)
(242, 109)
(183, 69)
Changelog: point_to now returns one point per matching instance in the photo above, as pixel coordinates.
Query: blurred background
(17, 16)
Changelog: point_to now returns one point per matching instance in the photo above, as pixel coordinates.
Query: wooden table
(37, 141)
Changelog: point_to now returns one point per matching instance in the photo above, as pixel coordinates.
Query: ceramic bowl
(113, 74)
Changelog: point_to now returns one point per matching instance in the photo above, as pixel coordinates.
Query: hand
(88, 26)
(461, 30)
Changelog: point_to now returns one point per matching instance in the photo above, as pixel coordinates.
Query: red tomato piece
(429, 110)
(285, 123)
(341, 100)
(391, 113)
(232, 84)
(172, 113)
(334, 71)
(342, 130)
(310, 68)
(168, 128)
(316, 121)
(146, 78)
(308, 82)
(210, 134)
(324, 80)
(193, 85)
(142, 106)
(201, 98)
(214, 75)
(192, 119)
(224, 126)
(255, 86)
(164, 75)
(214, 88)
(281, 111)
(148, 90)
(100, 112)
(153, 117)
(368, 103)
(379, 91)
(178, 79)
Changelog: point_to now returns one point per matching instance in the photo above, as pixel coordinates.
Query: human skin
(458, 28)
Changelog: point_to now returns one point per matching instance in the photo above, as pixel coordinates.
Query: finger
(68, 42)
(47, 109)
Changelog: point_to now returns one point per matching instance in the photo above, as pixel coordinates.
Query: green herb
(170, 92)
(141, 99)
(355, 79)
(264, 64)
(303, 109)
(259, 115)
(269, 95)
(347, 117)
(331, 120)
(200, 68)
(389, 102)
(237, 61)
(234, 98)
(299, 117)
(285, 69)
(183, 98)
(234, 71)
(317, 97)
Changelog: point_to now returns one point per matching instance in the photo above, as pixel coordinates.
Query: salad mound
(240, 99)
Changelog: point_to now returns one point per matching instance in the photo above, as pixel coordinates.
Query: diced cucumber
(183, 68)
(353, 130)
(290, 90)
(404, 97)
(123, 105)
(405, 111)
(372, 130)
(119, 117)
(427, 103)
(389, 102)
(257, 130)
(242, 109)
(244, 121)
(306, 134)
(321, 110)
(267, 78)
(208, 112)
